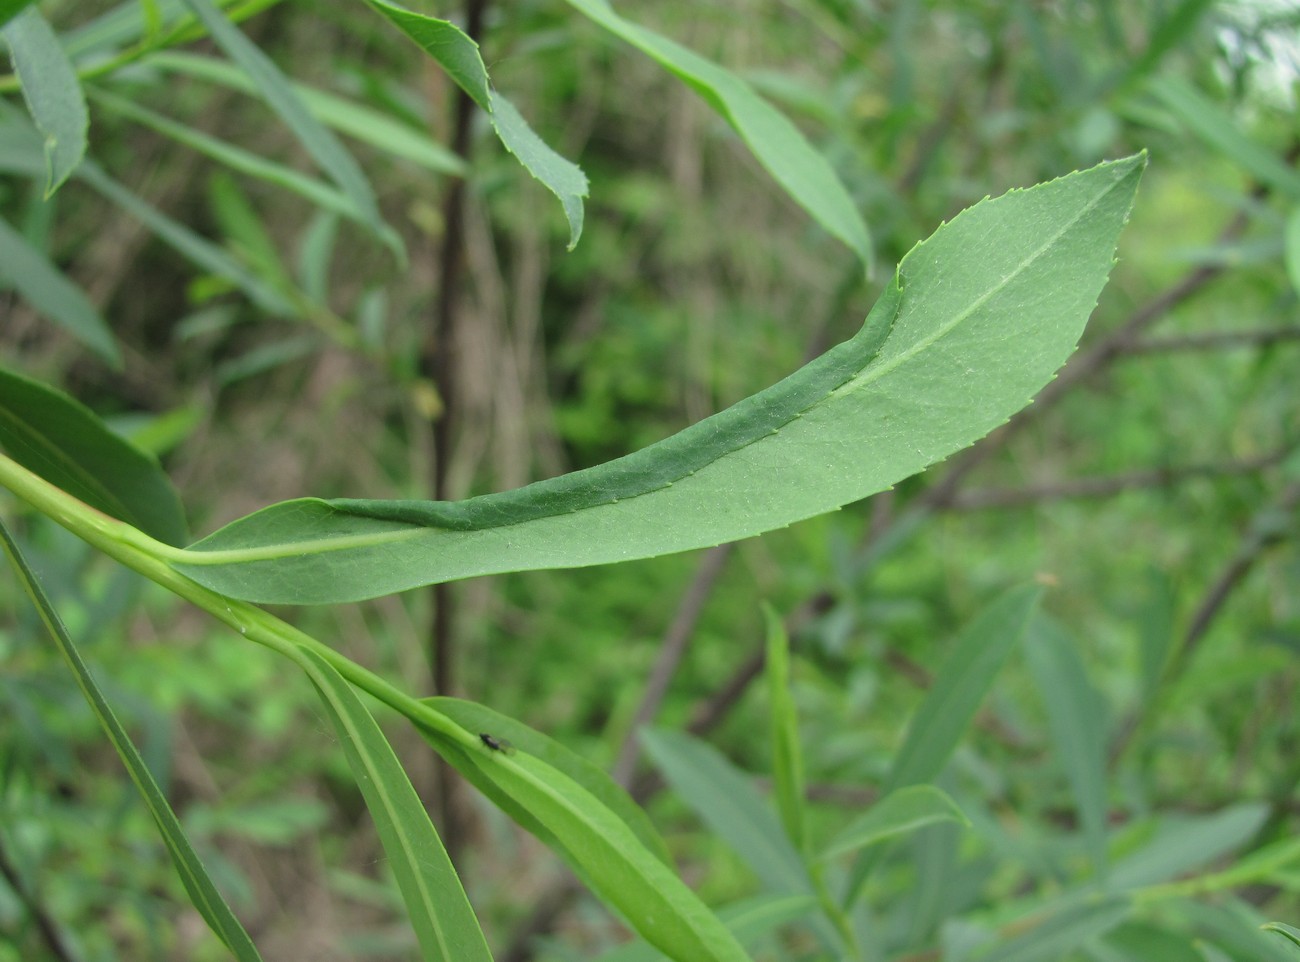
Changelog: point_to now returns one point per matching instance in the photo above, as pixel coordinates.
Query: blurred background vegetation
(1153, 486)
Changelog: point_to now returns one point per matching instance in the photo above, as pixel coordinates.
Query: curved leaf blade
(50, 292)
(787, 755)
(776, 143)
(901, 811)
(203, 893)
(978, 319)
(436, 903)
(1288, 932)
(53, 94)
(54, 436)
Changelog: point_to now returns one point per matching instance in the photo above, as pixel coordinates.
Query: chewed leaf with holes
(977, 319)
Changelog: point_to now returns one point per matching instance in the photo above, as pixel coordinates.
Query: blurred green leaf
(961, 684)
(316, 140)
(948, 353)
(436, 903)
(776, 143)
(1291, 247)
(54, 436)
(53, 94)
(901, 811)
(11, 8)
(203, 894)
(1076, 717)
(1183, 843)
(1217, 129)
(49, 292)
(787, 758)
(1054, 937)
(750, 921)
(726, 801)
(1288, 932)
(458, 54)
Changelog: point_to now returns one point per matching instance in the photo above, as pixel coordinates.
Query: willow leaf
(976, 320)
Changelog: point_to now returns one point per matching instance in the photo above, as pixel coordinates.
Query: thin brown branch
(45, 924)
(1100, 487)
(1215, 340)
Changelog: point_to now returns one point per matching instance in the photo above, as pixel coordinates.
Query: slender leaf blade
(978, 318)
(776, 143)
(316, 139)
(787, 758)
(1291, 247)
(50, 292)
(1288, 932)
(436, 902)
(1054, 938)
(59, 439)
(960, 686)
(1076, 717)
(52, 92)
(901, 811)
(726, 801)
(203, 893)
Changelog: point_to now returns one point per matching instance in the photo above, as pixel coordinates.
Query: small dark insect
(496, 744)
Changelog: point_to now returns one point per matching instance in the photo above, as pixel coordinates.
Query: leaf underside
(977, 319)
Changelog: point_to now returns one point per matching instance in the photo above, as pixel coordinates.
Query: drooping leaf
(319, 142)
(436, 903)
(977, 319)
(727, 802)
(901, 811)
(787, 757)
(54, 436)
(53, 94)
(601, 846)
(776, 143)
(1076, 717)
(50, 292)
(203, 893)
(458, 54)
(348, 117)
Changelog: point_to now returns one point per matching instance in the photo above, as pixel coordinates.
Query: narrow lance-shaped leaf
(458, 54)
(901, 811)
(787, 759)
(976, 320)
(53, 94)
(54, 436)
(203, 893)
(46, 288)
(322, 145)
(776, 143)
(1288, 932)
(610, 857)
(436, 903)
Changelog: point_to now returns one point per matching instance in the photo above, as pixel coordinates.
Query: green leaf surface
(346, 116)
(11, 8)
(50, 293)
(54, 436)
(775, 142)
(901, 811)
(275, 89)
(961, 684)
(977, 319)
(203, 893)
(605, 850)
(1291, 247)
(750, 921)
(1182, 843)
(787, 758)
(52, 92)
(479, 719)
(1076, 717)
(458, 54)
(436, 903)
(1288, 932)
(1054, 938)
(1217, 129)
(727, 802)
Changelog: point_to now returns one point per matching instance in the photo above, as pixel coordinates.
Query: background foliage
(1153, 486)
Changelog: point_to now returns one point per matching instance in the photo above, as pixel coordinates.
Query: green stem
(143, 554)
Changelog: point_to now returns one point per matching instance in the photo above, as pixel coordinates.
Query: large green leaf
(775, 142)
(976, 320)
(66, 444)
(49, 291)
(203, 893)
(436, 903)
(52, 92)
(458, 54)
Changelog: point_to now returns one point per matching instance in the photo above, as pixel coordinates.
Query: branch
(1216, 340)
